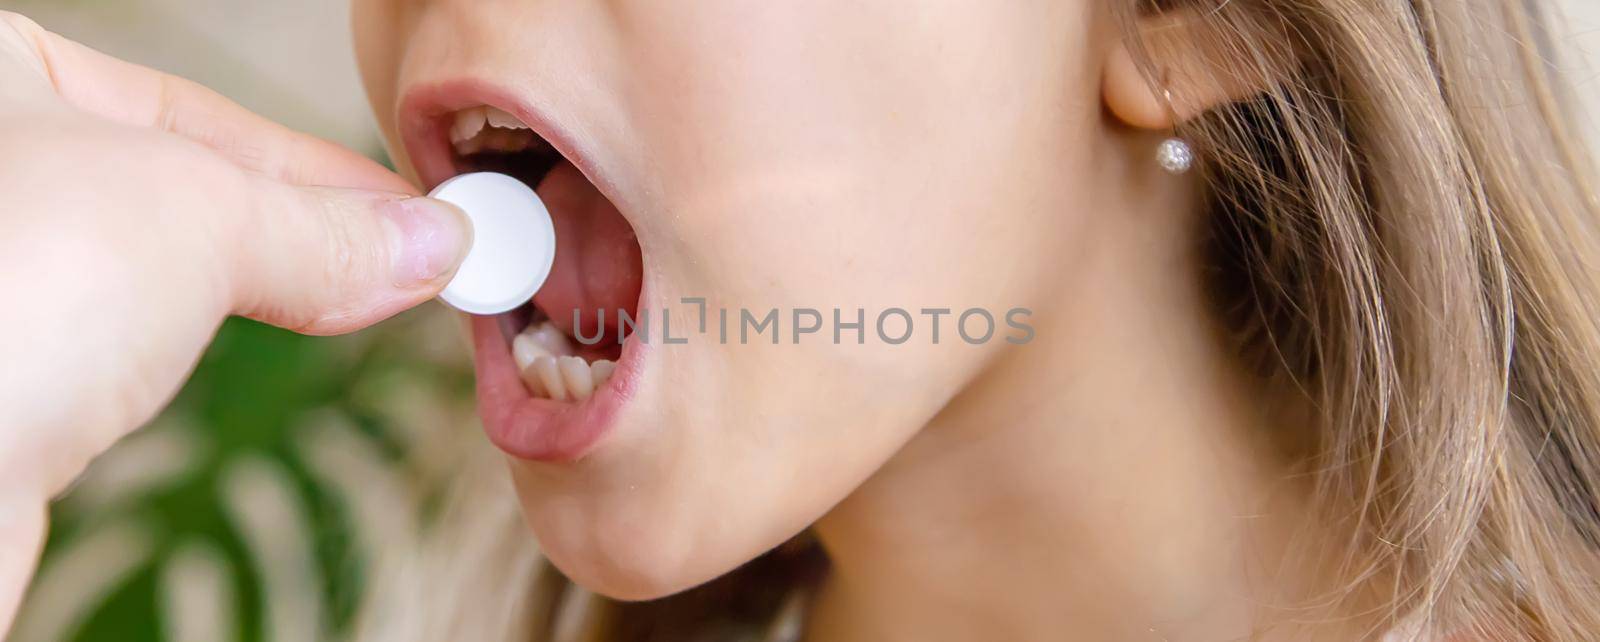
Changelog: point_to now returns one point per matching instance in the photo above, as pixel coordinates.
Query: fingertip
(430, 238)
(327, 261)
(427, 240)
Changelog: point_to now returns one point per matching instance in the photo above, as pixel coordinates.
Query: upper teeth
(468, 123)
(503, 120)
(479, 128)
(549, 370)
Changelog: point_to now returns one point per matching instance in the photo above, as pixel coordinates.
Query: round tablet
(513, 243)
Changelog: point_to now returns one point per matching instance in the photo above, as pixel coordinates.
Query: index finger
(136, 95)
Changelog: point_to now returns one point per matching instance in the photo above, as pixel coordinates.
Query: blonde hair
(1401, 240)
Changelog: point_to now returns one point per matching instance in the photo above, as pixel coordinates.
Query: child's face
(797, 156)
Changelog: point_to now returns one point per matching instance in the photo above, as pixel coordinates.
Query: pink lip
(425, 119)
(536, 429)
(518, 423)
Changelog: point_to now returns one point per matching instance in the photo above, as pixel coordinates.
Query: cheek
(849, 156)
(378, 27)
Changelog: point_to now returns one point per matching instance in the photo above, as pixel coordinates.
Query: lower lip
(544, 430)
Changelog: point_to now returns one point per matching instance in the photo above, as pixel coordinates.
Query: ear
(1187, 74)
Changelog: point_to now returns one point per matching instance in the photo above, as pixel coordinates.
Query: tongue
(597, 264)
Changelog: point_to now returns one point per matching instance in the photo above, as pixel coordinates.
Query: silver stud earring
(1175, 155)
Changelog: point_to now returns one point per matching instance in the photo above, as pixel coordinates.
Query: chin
(617, 553)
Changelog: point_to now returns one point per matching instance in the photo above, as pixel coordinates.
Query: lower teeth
(545, 358)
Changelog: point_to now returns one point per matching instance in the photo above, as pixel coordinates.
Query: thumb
(320, 260)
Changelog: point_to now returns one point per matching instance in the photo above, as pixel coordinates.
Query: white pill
(513, 243)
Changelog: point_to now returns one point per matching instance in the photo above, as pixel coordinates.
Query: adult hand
(137, 211)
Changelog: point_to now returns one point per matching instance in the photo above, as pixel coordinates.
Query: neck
(1110, 480)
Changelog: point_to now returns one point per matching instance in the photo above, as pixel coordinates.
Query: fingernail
(430, 238)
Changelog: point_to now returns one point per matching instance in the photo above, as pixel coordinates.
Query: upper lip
(425, 116)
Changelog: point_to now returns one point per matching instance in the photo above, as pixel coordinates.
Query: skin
(141, 210)
(1108, 479)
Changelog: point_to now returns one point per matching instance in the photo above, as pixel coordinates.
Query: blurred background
(251, 510)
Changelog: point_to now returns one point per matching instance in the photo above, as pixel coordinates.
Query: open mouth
(552, 372)
(562, 343)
